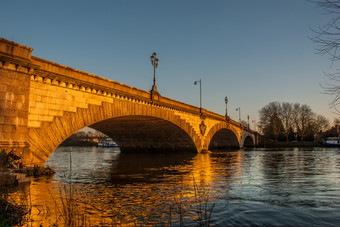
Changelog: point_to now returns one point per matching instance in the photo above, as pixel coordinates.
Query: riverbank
(13, 214)
(10, 214)
(77, 143)
(290, 144)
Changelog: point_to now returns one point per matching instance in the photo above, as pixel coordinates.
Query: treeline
(87, 135)
(84, 138)
(290, 121)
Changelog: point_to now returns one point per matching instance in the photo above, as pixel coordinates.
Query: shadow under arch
(45, 139)
(248, 142)
(222, 136)
(137, 133)
(224, 139)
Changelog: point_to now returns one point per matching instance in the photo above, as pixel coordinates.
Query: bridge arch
(137, 133)
(248, 139)
(222, 135)
(45, 139)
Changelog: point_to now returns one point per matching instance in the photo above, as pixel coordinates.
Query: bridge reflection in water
(112, 187)
(248, 187)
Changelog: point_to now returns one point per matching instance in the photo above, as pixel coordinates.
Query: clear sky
(252, 51)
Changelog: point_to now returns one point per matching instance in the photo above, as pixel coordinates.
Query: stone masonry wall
(14, 93)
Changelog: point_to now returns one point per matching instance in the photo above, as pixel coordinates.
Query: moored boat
(108, 142)
(331, 142)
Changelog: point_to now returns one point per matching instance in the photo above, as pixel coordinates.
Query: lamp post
(226, 106)
(248, 120)
(154, 62)
(200, 81)
(239, 114)
(254, 124)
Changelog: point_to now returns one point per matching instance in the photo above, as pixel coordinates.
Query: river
(255, 187)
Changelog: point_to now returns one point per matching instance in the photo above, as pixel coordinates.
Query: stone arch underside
(223, 136)
(248, 142)
(145, 134)
(224, 139)
(45, 139)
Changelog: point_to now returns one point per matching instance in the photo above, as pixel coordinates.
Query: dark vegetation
(13, 213)
(10, 214)
(291, 122)
(84, 138)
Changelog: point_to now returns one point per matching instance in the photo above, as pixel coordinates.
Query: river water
(255, 187)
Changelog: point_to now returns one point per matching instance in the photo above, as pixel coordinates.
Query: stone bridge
(42, 103)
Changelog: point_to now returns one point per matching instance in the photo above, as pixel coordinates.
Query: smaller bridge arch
(224, 139)
(247, 139)
(222, 135)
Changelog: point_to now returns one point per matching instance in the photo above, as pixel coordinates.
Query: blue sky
(252, 51)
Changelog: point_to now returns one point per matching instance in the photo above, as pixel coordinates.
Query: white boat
(331, 142)
(108, 142)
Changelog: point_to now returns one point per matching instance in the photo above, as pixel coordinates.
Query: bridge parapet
(63, 76)
(48, 72)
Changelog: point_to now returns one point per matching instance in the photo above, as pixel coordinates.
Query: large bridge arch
(45, 139)
(137, 133)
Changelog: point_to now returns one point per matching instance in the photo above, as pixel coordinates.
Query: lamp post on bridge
(200, 81)
(154, 62)
(226, 109)
(226, 106)
(239, 114)
(248, 120)
(254, 124)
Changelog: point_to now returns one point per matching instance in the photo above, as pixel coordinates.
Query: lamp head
(195, 83)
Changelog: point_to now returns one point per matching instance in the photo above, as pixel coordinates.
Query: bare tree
(284, 118)
(286, 115)
(327, 40)
(321, 124)
(336, 121)
(267, 112)
(270, 122)
(303, 119)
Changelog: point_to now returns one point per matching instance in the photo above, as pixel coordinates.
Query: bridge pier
(15, 69)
